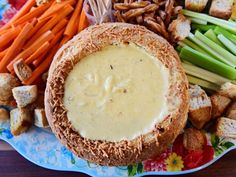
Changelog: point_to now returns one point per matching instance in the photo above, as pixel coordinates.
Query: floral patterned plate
(41, 147)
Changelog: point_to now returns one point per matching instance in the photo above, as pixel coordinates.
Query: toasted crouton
(200, 107)
(228, 90)
(231, 111)
(193, 139)
(25, 95)
(219, 104)
(221, 8)
(22, 70)
(40, 119)
(179, 28)
(194, 5)
(4, 115)
(226, 127)
(7, 82)
(20, 120)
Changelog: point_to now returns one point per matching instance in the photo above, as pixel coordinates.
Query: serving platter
(41, 147)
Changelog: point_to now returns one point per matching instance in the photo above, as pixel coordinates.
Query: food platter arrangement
(121, 87)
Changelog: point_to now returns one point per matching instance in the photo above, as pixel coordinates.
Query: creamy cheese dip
(116, 94)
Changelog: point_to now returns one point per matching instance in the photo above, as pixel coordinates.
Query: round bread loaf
(127, 151)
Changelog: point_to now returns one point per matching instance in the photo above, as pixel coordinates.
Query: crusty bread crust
(123, 152)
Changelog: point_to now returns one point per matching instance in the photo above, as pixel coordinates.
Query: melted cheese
(116, 94)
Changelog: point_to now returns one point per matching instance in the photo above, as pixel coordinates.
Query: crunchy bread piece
(200, 106)
(221, 8)
(226, 127)
(20, 120)
(219, 104)
(195, 5)
(22, 70)
(40, 119)
(229, 90)
(25, 95)
(7, 82)
(179, 28)
(231, 111)
(193, 139)
(4, 115)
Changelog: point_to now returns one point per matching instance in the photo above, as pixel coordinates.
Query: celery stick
(202, 27)
(224, 23)
(193, 45)
(202, 83)
(230, 36)
(178, 48)
(212, 36)
(198, 21)
(201, 73)
(228, 44)
(207, 62)
(219, 52)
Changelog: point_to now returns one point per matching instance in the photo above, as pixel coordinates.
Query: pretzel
(118, 16)
(127, 6)
(158, 28)
(168, 9)
(139, 19)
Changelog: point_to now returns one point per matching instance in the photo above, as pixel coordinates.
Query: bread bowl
(104, 147)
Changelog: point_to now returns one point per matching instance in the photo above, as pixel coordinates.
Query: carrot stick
(24, 10)
(9, 36)
(51, 23)
(4, 31)
(3, 53)
(33, 31)
(64, 40)
(83, 21)
(73, 23)
(16, 47)
(42, 67)
(41, 50)
(30, 50)
(34, 13)
(52, 44)
(59, 26)
(56, 8)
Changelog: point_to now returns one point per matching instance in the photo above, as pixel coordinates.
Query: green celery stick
(227, 34)
(207, 62)
(217, 21)
(202, 83)
(228, 44)
(201, 73)
(212, 36)
(219, 53)
(202, 27)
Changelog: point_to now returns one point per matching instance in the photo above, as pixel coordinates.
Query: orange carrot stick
(64, 40)
(40, 51)
(3, 53)
(9, 36)
(34, 13)
(52, 44)
(73, 23)
(25, 9)
(56, 7)
(33, 31)
(83, 22)
(51, 23)
(16, 47)
(42, 67)
(30, 50)
(59, 26)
